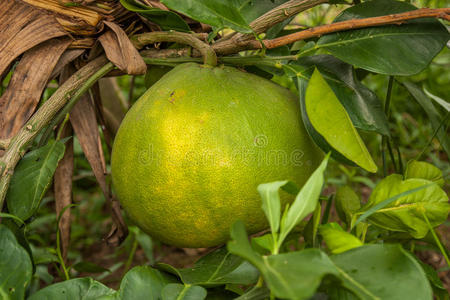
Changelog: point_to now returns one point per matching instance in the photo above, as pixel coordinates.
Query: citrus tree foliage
(365, 252)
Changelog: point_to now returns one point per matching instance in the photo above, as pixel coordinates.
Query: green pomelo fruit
(189, 155)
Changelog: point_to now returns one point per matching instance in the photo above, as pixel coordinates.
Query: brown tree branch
(239, 41)
(209, 56)
(397, 19)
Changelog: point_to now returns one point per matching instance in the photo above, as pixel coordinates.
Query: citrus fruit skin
(190, 153)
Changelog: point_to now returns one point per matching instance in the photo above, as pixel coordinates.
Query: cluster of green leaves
(359, 265)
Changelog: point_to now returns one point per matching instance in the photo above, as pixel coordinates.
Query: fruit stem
(209, 56)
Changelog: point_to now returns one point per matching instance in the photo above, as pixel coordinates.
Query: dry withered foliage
(39, 39)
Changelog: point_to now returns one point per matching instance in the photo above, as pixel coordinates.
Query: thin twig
(397, 19)
(209, 56)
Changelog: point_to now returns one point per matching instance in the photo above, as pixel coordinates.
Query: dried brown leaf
(84, 123)
(121, 51)
(113, 103)
(67, 57)
(29, 79)
(107, 134)
(63, 190)
(21, 28)
(75, 19)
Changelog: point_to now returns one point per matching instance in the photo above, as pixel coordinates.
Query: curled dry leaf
(22, 27)
(113, 103)
(63, 190)
(67, 57)
(121, 51)
(29, 79)
(75, 19)
(84, 123)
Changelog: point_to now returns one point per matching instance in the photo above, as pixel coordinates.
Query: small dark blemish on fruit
(172, 99)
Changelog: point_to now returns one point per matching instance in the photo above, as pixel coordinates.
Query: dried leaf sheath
(28, 82)
(21, 28)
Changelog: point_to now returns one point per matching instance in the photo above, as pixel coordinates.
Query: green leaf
(424, 170)
(337, 239)
(271, 203)
(146, 243)
(362, 105)
(79, 288)
(255, 293)
(85, 266)
(43, 255)
(347, 203)
(143, 283)
(297, 275)
(311, 228)
(263, 243)
(216, 268)
(438, 100)
(176, 291)
(390, 49)
(382, 272)
(15, 266)
(305, 202)
(166, 19)
(432, 275)
(432, 113)
(328, 118)
(216, 13)
(239, 245)
(32, 177)
(404, 214)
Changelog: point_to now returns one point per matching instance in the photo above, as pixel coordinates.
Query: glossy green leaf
(294, 275)
(347, 203)
(405, 214)
(337, 239)
(143, 283)
(239, 245)
(216, 268)
(263, 244)
(166, 19)
(74, 289)
(32, 177)
(390, 49)
(176, 291)
(424, 170)
(438, 100)
(432, 113)
(305, 202)
(15, 266)
(255, 293)
(85, 266)
(216, 13)
(311, 228)
(382, 272)
(146, 243)
(271, 203)
(431, 274)
(328, 118)
(297, 275)
(362, 105)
